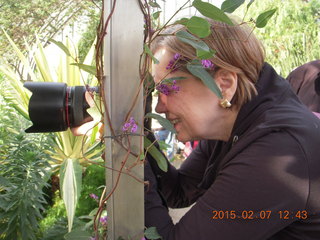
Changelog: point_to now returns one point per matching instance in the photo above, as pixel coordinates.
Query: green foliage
(93, 180)
(291, 37)
(89, 35)
(24, 19)
(24, 172)
(67, 151)
(53, 213)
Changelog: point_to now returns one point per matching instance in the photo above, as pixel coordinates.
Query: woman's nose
(162, 104)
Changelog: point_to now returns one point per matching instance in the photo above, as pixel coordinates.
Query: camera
(54, 107)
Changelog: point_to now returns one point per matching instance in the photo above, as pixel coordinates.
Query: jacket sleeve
(185, 191)
(256, 194)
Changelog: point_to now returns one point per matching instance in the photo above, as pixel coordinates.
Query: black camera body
(55, 107)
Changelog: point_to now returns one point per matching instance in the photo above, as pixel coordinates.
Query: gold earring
(225, 103)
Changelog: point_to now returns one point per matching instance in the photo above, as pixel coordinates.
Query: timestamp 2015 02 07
(262, 214)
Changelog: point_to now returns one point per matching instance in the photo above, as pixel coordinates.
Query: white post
(123, 45)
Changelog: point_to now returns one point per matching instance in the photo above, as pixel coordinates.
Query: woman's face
(193, 110)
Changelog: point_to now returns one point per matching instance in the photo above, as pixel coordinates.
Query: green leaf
(87, 68)
(204, 54)
(182, 21)
(156, 14)
(197, 70)
(199, 26)
(249, 4)
(152, 233)
(195, 42)
(264, 17)
(163, 121)
(61, 46)
(156, 154)
(77, 235)
(154, 4)
(70, 186)
(163, 145)
(211, 11)
(230, 6)
(148, 51)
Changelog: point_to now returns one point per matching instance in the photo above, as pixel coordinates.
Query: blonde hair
(236, 50)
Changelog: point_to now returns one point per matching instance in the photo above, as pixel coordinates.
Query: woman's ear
(227, 82)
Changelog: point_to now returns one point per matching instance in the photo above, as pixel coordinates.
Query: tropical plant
(24, 172)
(24, 19)
(70, 153)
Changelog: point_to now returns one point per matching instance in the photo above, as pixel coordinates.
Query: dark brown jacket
(262, 184)
(304, 81)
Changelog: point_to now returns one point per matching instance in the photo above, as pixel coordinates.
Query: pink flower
(104, 220)
(207, 64)
(93, 196)
(167, 88)
(130, 125)
(172, 63)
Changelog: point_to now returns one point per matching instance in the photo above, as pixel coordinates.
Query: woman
(255, 173)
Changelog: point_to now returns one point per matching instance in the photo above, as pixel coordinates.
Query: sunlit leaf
(154, 4)
(163, 121)
(197, 70)
(156, 14)
(70, 177)
(156, 154)
(211, 11)
(249, 4)
(199, 26)
(264, 17)
(61, 46)
(87, 68)
(230, 6)
(148, 51)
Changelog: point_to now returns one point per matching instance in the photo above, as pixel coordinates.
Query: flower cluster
(173, 62)
(104, 220)
(93, 196)
(167, 88)
(207, 64)
(130, 125)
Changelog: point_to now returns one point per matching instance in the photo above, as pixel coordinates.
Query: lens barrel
(54, 107)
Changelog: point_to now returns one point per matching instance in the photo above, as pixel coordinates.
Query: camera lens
(55, 107)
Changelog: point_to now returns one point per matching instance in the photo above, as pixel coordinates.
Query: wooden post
(123, 45)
